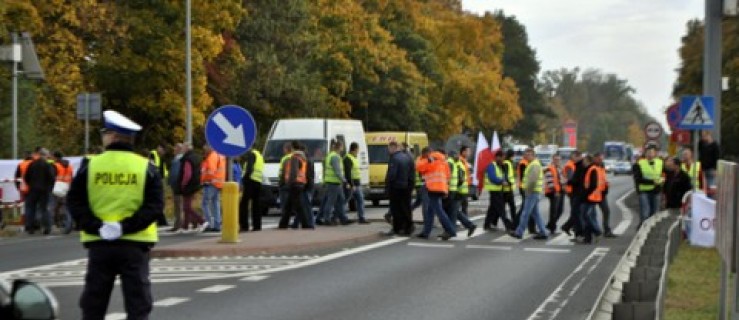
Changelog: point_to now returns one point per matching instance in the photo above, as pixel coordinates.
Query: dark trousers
(294, 205)
(400, 207)
(603, 205)
(250, 199)
(189, 216)
(496, 210)
(37, 203)
(105, 262)
(573, 223)
(510, 200)
(556, 206)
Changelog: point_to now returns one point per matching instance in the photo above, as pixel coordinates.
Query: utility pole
(15, 99)
(188, 71)
(712, 59)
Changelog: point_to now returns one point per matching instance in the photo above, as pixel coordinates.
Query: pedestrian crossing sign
(696, 113)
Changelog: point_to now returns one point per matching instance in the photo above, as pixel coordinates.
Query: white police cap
(119, 123)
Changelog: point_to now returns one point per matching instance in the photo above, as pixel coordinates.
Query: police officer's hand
(110, 231)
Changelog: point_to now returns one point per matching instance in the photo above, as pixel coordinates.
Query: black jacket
(676, 185)
(40, 176)
(401, 171)
(578, 179)
(708, 155)
(151, 210)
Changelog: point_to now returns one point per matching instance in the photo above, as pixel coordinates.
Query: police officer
(252, 188)
(116, 200)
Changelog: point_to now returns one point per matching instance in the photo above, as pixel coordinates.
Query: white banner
(703, 221)
(7, 174)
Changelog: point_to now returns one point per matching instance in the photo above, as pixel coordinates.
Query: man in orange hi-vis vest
(58, 203)
(212, 177)
(435, 171)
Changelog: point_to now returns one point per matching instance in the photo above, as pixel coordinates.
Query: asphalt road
(488, 276)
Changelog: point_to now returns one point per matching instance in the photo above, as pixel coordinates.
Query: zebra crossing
(163, 270)
(558, 243)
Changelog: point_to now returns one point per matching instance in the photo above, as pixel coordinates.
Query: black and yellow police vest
(115, 187)
(258, 171)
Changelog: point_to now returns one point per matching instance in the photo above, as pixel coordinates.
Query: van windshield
(378, 154)
(314, 149)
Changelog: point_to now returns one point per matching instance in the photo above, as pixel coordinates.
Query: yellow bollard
(230, 207)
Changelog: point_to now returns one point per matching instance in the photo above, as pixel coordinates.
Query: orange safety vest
(23, 168)
(519, 172)
(603, 176)
(213, 170)
(435, 174)
(63, 174)
(301, 177)
(569, 171)
(597, 195)
(555, 180)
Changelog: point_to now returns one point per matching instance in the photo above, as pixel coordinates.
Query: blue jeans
(435, 208)
(212, 206)
(358, 196)
(531, 209)
(589, 220)
(454, 212)
(648, 202)
(334, 203)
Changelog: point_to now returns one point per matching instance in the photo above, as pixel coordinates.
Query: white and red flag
(483, 157)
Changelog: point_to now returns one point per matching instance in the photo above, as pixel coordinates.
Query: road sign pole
(230, 206)
(188, 73)
(87, 122)
(15, 101)
(712, 59)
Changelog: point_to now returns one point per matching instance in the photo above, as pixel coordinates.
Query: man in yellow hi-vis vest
(116, 200)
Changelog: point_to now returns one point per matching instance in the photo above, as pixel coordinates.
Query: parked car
(25, 300)
(621, 167)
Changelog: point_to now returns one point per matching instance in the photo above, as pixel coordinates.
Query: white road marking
(508, 239)
(170, 302)
(488, 247)
(626, 215)
(560, 240)
(430, 245)
(562, 294)
(217, 288)
(547, 250)
(115, 316)
(254, 278)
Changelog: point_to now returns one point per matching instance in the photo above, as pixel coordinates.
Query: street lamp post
(188, 71)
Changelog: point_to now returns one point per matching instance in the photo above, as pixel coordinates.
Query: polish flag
(496, 143)
(483, 157)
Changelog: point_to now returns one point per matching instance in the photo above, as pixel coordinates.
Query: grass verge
(693, 284)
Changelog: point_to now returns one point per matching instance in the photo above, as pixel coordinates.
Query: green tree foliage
(602, 104)
(520, 64)
(690, 78)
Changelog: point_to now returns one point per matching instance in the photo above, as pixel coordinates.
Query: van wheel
(375, 203)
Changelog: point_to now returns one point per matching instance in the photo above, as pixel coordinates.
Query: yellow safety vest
(158, 163)
(329, 175)
(489, 185)
(650, 172)
(115, 188)
(464, 188)
(454, 175)
(356, 174)
(511, 176)
(693, 173)
(540, 180)
(257, 173)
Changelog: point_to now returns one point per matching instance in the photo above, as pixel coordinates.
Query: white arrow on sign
(234, 136)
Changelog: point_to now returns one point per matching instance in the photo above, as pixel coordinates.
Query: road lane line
(561, 295)
(430, 245)
(115, 316)
(626, 215)
(508, 239)
(254, 278)
(170, 302)
(217, 288)
(489, 247)
(552, 250)
(561, 240)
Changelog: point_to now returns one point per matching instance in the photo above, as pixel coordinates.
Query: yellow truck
(378, 157)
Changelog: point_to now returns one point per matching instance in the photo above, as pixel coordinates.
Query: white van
(316, 135)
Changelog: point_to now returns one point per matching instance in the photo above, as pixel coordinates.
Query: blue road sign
(696, 113)
(230, 130)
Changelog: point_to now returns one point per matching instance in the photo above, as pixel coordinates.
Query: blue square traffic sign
(696, 113)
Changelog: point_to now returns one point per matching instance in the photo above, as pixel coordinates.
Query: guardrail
(636, 288)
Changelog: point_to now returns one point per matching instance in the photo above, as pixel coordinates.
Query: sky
(638, 40)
